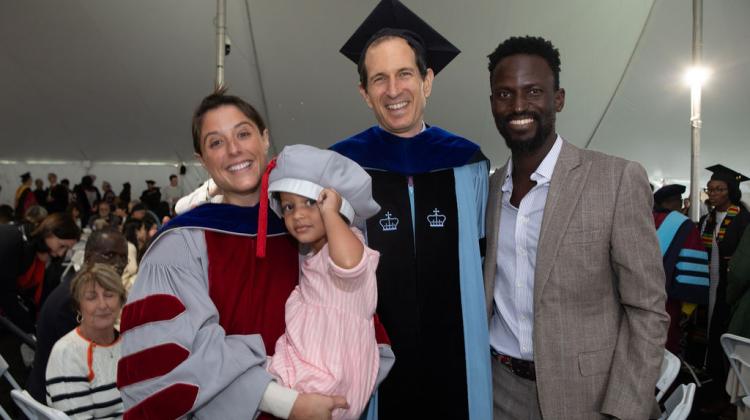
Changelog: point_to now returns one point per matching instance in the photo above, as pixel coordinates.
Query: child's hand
(329, 201)
(316, 406)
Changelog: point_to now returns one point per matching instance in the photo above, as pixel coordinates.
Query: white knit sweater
(81, 378)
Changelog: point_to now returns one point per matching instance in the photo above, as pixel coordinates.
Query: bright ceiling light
(697, 76)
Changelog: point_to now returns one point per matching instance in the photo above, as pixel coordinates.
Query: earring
(78, 317)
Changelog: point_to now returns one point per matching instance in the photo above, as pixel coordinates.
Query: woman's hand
(316, 406)
(329, 201)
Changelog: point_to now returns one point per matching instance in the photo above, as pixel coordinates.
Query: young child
(329, 345)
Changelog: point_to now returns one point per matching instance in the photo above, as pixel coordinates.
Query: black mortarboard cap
(25, 176)
(667, 191)
(393, 14)
(722, 173)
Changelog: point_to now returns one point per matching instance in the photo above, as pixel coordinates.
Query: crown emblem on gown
(436, 219)
(388, 223)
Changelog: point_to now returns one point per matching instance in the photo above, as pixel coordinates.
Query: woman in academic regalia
(721, 230)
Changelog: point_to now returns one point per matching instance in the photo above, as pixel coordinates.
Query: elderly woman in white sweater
(82, 368)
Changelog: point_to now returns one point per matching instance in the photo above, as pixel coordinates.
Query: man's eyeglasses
(714, 190)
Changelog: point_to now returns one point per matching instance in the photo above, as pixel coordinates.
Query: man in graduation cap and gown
(721, 230)
(432, 187)
(684, 257)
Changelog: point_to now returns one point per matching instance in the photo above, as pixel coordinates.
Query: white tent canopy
(99, 85)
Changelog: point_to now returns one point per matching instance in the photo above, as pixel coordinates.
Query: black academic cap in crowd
(25, 176)
(668, 191)
(393, 14)
(730, 176)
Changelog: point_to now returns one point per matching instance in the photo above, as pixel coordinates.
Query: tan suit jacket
(599, 318)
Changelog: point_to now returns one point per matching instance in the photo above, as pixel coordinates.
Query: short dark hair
(531, 45)
(173, 176)
(218, 99)
(6, 213)
(412, 39)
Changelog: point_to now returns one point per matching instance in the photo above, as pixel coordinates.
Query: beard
(545, 124)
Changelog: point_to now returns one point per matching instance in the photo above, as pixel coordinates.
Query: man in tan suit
(573, 273)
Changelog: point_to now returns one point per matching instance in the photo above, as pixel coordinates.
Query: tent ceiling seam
(263, 100)
(622, 76)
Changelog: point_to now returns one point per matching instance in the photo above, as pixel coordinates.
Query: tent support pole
(695, 113)
(221, 16)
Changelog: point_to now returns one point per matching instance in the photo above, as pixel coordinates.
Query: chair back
(737, 350)
(4, 373)
(4, 414)
(670, 367)
(8, 377)
(35, 410)
(679, 403)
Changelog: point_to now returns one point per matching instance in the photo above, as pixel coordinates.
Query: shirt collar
(424, 127)
(543, 173)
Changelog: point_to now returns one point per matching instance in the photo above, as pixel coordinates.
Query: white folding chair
(737, 350)
(35, 410)
(670, 367)
(679, 403)
(8, 377)
(4, 414)
(6, 374)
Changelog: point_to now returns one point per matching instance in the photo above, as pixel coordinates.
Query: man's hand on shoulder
(316, 406)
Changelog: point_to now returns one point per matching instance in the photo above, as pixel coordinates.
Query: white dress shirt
(512, 324)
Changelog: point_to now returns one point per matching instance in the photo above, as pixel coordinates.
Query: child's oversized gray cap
(306, 170)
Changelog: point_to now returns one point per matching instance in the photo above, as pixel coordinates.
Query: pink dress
(329, 345)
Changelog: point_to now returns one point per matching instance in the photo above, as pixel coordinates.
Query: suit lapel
(565, 189)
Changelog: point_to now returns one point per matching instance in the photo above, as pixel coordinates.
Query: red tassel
(260, 250)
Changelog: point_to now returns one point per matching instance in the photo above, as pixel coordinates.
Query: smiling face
(396, 92)
(233, 151)
(525, 102)
(99, 307)
(303, 220)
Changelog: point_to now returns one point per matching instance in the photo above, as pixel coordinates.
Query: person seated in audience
(75, 212)
(139, 232)
(6, 214)
(82, 368)
(57, 316)
(103, 212)
(24, 263)
(34, 215)
(121, 211)
(137, 212)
